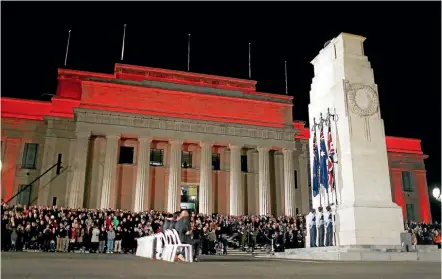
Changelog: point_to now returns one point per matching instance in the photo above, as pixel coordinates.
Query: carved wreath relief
(354, 92)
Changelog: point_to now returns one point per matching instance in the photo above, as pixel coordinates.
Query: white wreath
(373, 102)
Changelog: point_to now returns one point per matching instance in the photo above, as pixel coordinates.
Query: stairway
(248, 252)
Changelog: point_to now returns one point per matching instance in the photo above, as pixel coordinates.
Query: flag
(331, 155)
(323, 173)
(315, 170)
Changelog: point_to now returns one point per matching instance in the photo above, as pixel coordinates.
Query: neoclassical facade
(145, 138)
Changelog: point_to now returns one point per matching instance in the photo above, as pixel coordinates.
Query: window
(297, 211)
(156, 157)
(24, 196)
(126, 155)
(410, 212)
(186, 159)
(244, 163)
(30, 156)
(216, 162)
(296, 179)
(406, 181)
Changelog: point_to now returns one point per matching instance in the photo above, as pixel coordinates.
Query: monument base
(426, 253)
(369, 224)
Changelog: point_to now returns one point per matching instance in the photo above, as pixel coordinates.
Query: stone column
(110, 171)
(205, 190)
(303, 174)
(264, 181)
(174, 188)
(289, 183)
(76, 196)
(44, 185)
(143, 171)
(235, 181)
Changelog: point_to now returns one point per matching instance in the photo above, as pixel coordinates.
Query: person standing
(311, 221)
(320, 226)
(328, 221)
(110, 239)
(95, 238)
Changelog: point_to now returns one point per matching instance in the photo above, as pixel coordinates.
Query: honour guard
(311, 221)
(320, 226)
(328, 220)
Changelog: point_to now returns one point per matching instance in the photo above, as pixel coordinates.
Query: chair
(188, 249)
(169, 246)
(161, 242)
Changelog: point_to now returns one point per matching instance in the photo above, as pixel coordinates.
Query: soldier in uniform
(253, 235)
(320, 226)
(311, 219)
(328, 220)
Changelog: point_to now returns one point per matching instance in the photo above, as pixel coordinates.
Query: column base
(369, 224)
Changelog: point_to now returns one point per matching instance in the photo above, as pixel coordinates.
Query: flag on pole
(323, 177)
(315, 170)
(331, 156)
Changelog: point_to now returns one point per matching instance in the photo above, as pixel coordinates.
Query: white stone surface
(344, 82)
(143, 167)
(174, 188)
(264, 181)
(110, 171)
(205, 190)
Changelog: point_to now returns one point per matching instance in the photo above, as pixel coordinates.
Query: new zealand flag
(315, 168)
(323, 166)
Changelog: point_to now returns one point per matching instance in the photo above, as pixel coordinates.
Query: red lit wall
(424, 201)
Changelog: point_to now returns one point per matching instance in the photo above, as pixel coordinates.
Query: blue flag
(323, 166)
(315, 169)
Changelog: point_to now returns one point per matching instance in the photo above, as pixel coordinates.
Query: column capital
(83, 135)
(235, 146)
(144, 139)
(420, 172)
(263, 149)
(206, 143)
(113, 136)
(287, 151)
(175, 142)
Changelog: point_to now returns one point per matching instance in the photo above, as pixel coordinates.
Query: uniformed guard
(311, 220)
(328, 220)
(320, 226)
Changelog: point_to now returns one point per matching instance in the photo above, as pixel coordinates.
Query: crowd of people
(53, 229)
(424, 234)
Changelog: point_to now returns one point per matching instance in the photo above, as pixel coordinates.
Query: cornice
(183, 125)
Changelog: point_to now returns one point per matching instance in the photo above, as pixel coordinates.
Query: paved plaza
(108, 266)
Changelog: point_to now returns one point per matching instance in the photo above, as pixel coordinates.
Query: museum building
(146, 138)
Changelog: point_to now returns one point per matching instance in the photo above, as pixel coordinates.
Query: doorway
(189, 197)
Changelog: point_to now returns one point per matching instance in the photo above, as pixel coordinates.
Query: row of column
(236, 192)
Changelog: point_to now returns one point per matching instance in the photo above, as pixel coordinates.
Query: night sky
(403, 45)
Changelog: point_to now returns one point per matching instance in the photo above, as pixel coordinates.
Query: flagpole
(188, 53)
(286, 88)
(124, 38)
(250, 63)
(67, 48)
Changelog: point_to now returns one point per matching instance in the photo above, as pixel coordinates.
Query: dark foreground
(79, 266)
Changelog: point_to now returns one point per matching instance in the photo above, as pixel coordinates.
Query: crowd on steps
(57, 229)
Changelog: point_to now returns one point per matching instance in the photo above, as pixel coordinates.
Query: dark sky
(403, 45)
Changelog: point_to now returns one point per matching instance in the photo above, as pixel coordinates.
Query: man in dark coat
(182, 226)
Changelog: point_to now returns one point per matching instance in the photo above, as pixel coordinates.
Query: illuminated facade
(145, 138)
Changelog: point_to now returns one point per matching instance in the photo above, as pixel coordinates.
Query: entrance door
(189, 197)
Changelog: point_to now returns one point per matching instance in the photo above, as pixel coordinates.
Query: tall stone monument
(344, 83)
